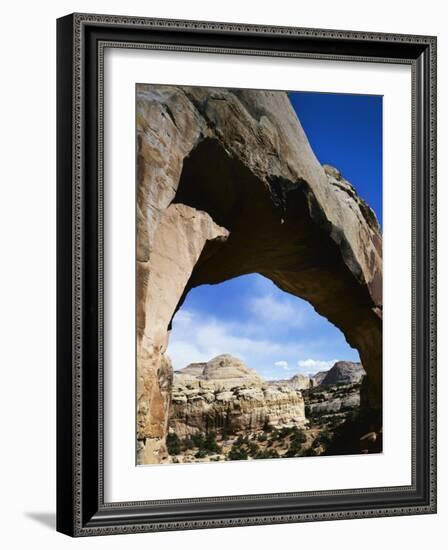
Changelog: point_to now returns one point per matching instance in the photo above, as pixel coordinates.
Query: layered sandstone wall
(223, 395)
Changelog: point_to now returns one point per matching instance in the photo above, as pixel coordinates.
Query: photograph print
(258, 274)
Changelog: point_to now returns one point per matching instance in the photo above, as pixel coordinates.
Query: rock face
(318, 377)
(331, 401)
(227, 184)
(224, 395)
(335, 396)
(297, 382)
(174, 254)
(344, 372)
(226, 372)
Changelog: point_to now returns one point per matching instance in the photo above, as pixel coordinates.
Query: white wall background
(27, 289)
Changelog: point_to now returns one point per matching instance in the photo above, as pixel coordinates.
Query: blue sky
(346, 131)
(275, 333)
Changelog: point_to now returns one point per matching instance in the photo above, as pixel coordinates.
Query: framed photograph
(246, 274)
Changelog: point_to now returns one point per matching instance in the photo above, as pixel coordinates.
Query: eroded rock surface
(227, 185)
(331, 399)
(175, 253)
(224, 395)
(298, 382)
(344, 372)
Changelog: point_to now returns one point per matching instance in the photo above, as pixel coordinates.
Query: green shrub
(210, 444)
(227, 432)
(198, 440)
(207, 444)
(308, 452)
(298, 436)
(187, 444)
(284, 432)
(267, 427)
(324, 439)
(252, 449)
(237, 454)
(294, 449)
(173, 444)
(241, 440)
(267, 453)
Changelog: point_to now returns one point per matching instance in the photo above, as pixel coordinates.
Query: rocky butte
(227, 184)
(224, 394)
(343, 372)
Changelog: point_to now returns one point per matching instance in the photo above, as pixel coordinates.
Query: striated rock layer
(224, 395)
(227, 184)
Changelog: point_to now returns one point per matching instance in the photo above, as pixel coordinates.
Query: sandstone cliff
(224, 395)
(228, 184)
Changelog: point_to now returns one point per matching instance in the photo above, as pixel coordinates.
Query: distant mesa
(343, 372)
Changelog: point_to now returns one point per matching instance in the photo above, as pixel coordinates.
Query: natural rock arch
(228, 185)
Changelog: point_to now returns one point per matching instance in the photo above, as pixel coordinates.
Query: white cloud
(183, 353)
(268, 330)
(276, 310)
(282, 364)
(196, 337)
(313, 366)
(184, 316)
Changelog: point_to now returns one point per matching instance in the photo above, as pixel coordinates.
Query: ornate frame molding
(81, 42)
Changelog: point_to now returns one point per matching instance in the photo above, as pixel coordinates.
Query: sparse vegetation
(272, 441)
(237, 454)
(271, 453)
(210, 444)
(205, 445)
(173, 444)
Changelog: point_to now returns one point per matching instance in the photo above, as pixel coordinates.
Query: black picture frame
(81, 510)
